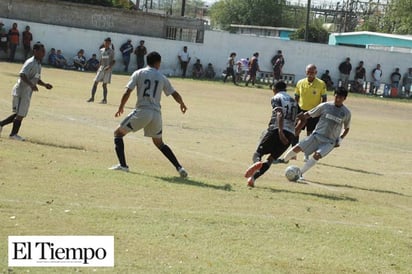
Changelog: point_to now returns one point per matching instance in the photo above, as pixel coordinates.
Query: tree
(398, 17)
(247, 12)
(317, 34)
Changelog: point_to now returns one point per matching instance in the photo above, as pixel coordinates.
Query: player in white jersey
(328, 134)
(104, 73)
(278, 136)
(149, 84)
(23, 90)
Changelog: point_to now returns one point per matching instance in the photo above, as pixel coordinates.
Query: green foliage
(398, 17)
(247, 12)
(317, 34)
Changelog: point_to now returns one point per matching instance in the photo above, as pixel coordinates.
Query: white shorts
(316, 143)
(103, 75)
(148, 119)
(21, 104)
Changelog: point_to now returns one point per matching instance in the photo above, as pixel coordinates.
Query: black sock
(94, 88)
(16, 127)
(165, 149)
(262, 170)
(105, 93)
(119, 147)
(8, 120)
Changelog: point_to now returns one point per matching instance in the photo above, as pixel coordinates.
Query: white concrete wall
(217, 48)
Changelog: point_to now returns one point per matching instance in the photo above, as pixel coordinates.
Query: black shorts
(310, 122)
(271, 143)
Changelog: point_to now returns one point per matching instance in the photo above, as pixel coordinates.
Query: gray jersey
(150, 83)
(331, 120)
(289, 109)
(32, 70)
(106, 57)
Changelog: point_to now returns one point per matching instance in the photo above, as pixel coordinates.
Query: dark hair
(38, 46)
(153, 57)
(280, 86)
(341, 91)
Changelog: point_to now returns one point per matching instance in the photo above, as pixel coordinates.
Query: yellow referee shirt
(310, 94)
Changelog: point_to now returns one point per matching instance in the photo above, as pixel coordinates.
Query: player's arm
(280, 119)
(339, 141)
(179, 100)
(123, 102)
(302, 118)
(46, 85)
(26, 80)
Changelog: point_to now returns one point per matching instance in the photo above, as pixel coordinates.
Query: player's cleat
(301, 180)
(16, 137)
(119, 167)
(251, 182)
(91, 100)
(253, 168)
(279, 161)
(104, 101)
(182, 172)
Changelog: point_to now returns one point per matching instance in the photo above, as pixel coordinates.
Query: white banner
(61, 251)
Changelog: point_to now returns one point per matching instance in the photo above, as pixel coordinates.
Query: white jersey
(289, 109)
(331, 121)
(150, 83)
(32, 70)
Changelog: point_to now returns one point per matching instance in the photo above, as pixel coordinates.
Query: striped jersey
(289, 108)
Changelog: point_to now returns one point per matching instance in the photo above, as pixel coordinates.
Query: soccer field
(354, 215)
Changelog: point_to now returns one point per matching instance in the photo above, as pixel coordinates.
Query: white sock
(308, 164)
(289, 155)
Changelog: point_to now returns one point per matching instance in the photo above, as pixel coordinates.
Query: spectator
(328, 81)
(210, 71)
(395, 78)
(79, 61)
(104, 73)
(407, 82)
(230, 71)
(277, 64)
(377, 77)
(140, 52)
(245, 68)
(184, 60)
(61, 61)
(26, 39)
(52, 57)
(3, 38)
(126, 49)
(197, 69)
(14, 41)
(345, 68)
(360, 78)
(238, 71)
(253, 69)
(92, 64)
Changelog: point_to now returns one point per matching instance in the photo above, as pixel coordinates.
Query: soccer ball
(292, 173)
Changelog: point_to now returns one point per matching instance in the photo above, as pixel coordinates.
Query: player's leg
(119, 133)
(324, 149)
(168, 153)
(104, 101)
(93, 92)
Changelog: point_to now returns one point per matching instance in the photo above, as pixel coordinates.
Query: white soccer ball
(292, 173)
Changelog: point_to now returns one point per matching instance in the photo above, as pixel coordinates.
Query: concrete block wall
(216, 49)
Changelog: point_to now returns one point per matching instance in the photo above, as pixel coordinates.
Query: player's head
(279, 86)
(311, 72)
(39, 51)
(153, 59)
(107, 42)
(340, 95)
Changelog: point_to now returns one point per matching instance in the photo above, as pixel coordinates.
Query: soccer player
(328, 134)
(104, 73)
(23, 89)
(279, 135)
(149, 83)
(310, 92)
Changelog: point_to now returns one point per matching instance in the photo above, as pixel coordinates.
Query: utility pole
(183, 7)
(307, 22)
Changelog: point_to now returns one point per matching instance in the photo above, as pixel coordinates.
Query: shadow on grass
(352, 169)
(190, 182)
(360, 188)
(62, 146)
(317, 195)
